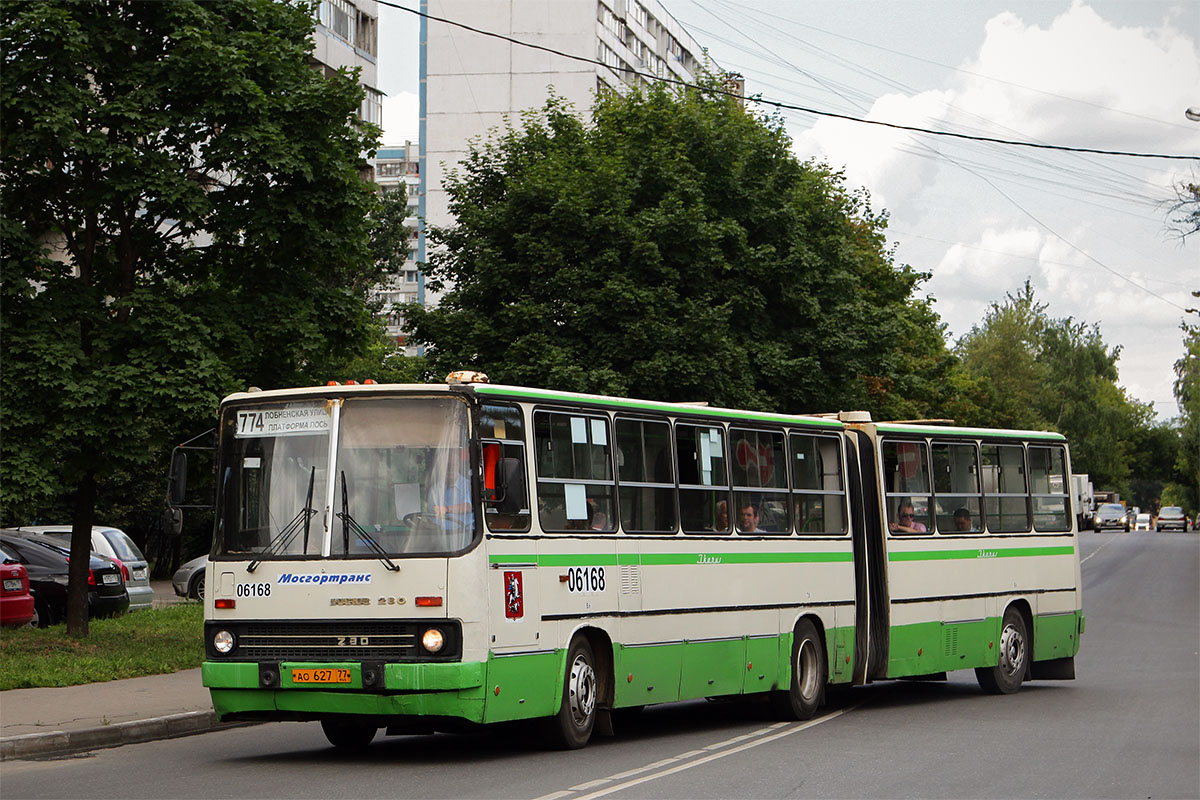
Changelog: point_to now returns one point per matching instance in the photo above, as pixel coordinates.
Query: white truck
(1085, 501)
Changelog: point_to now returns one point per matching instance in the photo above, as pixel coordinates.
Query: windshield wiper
(349, 523)
(289, 532)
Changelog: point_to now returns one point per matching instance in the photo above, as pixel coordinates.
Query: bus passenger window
(1006, 494)
(818, 494)
(760, 494)
(502, 432)
(1048, 485)
(958, 504)
(574, 466)
(906, 481)
(645, 475)
(703, 479)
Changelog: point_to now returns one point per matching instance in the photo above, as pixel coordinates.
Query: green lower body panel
(932, 647)
(517, 686)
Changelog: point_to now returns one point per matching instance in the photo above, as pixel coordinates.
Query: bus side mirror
(177, 483)
(511, 489)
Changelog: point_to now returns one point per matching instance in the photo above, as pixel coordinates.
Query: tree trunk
(81, 552)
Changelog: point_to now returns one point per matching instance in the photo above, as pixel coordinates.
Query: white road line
(761, 736)
(1097, 550)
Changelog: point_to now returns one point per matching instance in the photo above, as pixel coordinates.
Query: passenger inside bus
(906, 519)
(748, 519)
(962, 519)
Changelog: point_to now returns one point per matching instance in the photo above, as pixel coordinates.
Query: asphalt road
(1129, 726)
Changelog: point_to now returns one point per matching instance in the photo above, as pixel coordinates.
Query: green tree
(1043, 373)
(1184, 490)
(182, 214)
(674, 249)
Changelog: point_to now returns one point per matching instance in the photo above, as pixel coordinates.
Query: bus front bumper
(247, 690)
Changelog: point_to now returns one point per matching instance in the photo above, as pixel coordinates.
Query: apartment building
(346, 34)
(397, 167)
(471, 83)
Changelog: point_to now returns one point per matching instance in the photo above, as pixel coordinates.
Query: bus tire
(571, 727)
(348, 734)
(1006, 676)
(807, 687)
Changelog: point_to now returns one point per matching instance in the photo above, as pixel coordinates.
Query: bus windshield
(362, 477)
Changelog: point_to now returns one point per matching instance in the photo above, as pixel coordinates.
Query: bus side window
(506, 498)
(703, 479)
(958, 503)
(1006, 494)
(1048, 485)
(906, 481)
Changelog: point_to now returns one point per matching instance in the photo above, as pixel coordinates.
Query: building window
(371, 109)
(640, 16)
(389, 169)
(366, 34)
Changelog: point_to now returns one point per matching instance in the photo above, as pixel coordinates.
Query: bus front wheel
(348, 735)
(571, 727)
(1006, 676)
(807, 687)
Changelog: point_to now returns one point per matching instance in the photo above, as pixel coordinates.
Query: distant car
(189, 579)
(115, 544)
(47, 566)
(1110, 516)
(1171, 518)
(16, 602)
(1142, 522)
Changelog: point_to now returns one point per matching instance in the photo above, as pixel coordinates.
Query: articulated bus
(426, 557)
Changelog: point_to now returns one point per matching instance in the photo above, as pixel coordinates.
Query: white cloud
(401, 116)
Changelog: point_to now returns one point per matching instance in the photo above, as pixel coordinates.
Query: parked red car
(16, 603)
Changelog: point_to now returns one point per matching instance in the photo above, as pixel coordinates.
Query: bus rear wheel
(807, 688)
(571, 728)
(347, 734)
(1006, 676)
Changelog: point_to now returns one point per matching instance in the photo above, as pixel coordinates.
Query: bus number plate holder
(334, 675)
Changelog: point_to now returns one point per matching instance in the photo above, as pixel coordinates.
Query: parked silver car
(189, 578)
(112, 543)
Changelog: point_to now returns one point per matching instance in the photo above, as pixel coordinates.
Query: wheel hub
(1012, 650)
(581, 691)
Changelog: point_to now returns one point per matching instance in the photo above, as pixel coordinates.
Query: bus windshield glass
(364, 477)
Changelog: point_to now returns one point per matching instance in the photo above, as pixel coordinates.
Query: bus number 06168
(585, 579)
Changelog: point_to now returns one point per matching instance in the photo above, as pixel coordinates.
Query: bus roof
(955, 430)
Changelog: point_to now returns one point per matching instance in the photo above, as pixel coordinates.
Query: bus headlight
(433, 640)
(223, 641)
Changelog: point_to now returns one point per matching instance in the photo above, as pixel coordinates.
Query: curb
(58, 743)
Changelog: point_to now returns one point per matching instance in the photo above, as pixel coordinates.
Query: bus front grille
(328, 641)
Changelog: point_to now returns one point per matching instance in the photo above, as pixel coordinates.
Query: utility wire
(788, 106)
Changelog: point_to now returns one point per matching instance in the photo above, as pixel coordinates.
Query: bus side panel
(712, 668)
(1056, 635)
(646, 675)
(524, 686)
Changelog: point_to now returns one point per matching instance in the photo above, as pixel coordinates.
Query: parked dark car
(1110, 516)
(47, 567)
(115, 544)
(1171, 518)
(16, 603)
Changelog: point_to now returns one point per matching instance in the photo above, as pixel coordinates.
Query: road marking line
(1097, 550)
(789, 729)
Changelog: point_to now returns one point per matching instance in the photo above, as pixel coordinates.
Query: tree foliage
(673, 248)
(1184, 489)
(1037, 372)
(182, 214)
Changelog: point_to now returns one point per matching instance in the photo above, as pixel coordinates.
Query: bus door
(870, 567)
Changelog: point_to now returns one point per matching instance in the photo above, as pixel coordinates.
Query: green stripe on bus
(667, 559)
(650, 405)
(981, 552)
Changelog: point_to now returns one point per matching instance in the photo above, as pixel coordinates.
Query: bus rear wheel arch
(1016, 651)
(810, 672)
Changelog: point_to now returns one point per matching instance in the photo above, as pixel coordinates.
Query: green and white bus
(425, 557)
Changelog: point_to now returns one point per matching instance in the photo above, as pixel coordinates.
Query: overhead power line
(789, 106)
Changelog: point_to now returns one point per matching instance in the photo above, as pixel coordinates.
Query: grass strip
(150, 642)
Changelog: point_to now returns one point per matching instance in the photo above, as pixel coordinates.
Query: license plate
(334, 675)
(110, 580)
(12, 584)
(139, 574)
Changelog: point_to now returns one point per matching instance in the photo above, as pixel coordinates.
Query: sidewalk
(70, 719)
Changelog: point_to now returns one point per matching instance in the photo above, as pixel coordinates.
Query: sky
(1088, 232)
